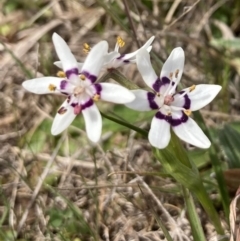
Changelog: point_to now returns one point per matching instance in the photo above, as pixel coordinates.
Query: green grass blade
(217, 165)
(196, 226)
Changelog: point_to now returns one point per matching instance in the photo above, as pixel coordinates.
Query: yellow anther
(176, 73)
(96, 97)
(187, 112)
(120, 42)
(192, 88)
(82, 76)
(169, 113)
(86, 48)
(52, 87)
(171, 75)
(61, 74)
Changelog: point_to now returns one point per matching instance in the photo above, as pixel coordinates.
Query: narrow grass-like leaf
(121, 79)
(217, 165)
(190, 180)
(128, 125)
(186, 173)
(230, 142)
(196, 227)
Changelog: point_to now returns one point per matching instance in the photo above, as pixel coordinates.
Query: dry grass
(60, 188)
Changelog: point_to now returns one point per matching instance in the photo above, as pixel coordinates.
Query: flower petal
(108, 58)
(59, 65)
(145, 68)
(147, 46)
(93, 122)
(64, 53)
(114, 93)
(63, 118)
(191, 133)
(94, 61)
(182, 101)
(203, 95)
(46, 85)
(159, 134)
(144, 101)
(173, 67)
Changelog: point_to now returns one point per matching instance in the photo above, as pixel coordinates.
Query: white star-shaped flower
(80, 89)
(173, 107)
(114, 59)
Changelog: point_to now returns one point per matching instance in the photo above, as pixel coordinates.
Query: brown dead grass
(113, 206)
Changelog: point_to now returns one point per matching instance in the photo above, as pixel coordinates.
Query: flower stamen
(61, 74)
(187, 112)
(96, 97)
(192, 88)
(68, 99)
(82, 77)
(86, 48)
(52, 87)
(120, 42)
(176, 73)
(62, 110)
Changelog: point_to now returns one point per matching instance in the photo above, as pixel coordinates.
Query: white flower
(80, 89)
(114, 59)
(173, 108)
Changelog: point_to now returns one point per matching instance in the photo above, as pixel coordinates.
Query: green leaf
(230, 142)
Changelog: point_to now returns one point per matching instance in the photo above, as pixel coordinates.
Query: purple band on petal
(121, 56)
(126, 61)
(187, 102)
(153, 105)
(89, 76)
(165, 80)
(74, 104)
(170, 120)
(88, 104)
(73, 71)
(182, 119)
(63, 84)
(69, 99)
(159, 83)
(98, 88)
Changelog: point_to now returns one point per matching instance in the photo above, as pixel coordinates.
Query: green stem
(217, 166)
(196, 227)
(172, 161)
(123, 123)
(122, 80)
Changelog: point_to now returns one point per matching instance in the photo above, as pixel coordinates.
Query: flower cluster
(78, 84)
